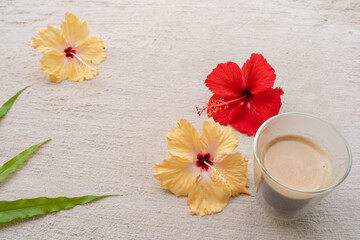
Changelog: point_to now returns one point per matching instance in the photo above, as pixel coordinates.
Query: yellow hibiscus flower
(68, 52)
(193, 167)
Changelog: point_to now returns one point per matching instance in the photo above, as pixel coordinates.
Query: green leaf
(26, 208)
(15, 162)
(6, 106)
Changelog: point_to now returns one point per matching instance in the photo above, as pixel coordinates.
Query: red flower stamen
(69, 52)
(217, 105)
(202, 160)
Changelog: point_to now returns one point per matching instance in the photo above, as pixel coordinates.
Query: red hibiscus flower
(243, 98)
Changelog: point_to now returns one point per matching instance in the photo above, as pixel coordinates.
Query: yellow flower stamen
(218, 176)
(82, 61)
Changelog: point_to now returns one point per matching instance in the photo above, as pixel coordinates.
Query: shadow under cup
(284, 202)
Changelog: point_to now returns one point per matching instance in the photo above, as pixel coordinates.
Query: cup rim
(256, 139)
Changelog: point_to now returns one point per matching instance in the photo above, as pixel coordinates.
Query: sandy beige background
(109, 132)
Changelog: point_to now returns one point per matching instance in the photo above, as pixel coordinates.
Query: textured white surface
(110, 131)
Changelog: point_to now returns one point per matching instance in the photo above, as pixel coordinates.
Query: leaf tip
(24, 89)
(48, 140)
(112, 195)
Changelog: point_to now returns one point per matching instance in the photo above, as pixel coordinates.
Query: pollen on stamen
(218, 176)
(213, 107)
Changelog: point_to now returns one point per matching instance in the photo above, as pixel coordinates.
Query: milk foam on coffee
(297, 162)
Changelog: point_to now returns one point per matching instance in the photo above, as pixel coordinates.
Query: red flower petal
(257, 74)
(225, 80)
(248, 117)
(222, 114)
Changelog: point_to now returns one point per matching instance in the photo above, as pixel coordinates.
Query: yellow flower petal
(59, 68)
(79, 72)
(92, 50)
(177, 174)
(56, 67)
(207, 197)
(235, 168)
(74, 30)
(49, 40)
(218, 140)
(185, 141)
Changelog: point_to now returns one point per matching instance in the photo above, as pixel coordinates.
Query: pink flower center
(201, 159)
(68, 52)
